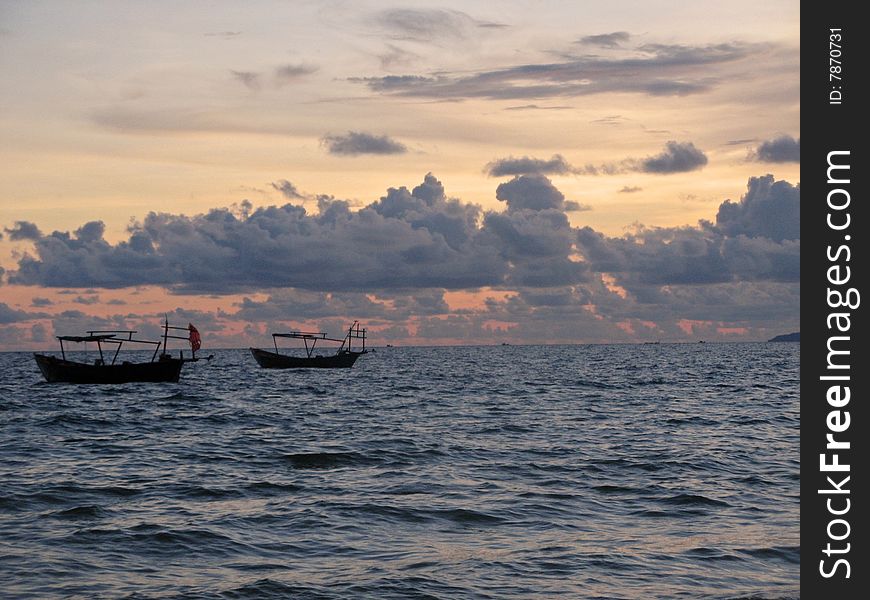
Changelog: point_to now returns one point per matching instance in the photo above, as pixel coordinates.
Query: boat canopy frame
(355, 332)
(117, 336)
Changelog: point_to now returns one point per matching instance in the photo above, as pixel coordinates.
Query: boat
(162, 367)
(344, 357)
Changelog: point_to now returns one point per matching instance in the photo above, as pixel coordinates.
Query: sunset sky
(451, 172)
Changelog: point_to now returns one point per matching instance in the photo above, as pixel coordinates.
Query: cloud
(537, 107)
(779, 150)
(250, 79)
(281, 76)
(755, 239)
(677, 157)
(769, 209)
(304, 304)
(740, 142)
(289, 73)
(420, 238)
(630, 189)
(654, 69)
(23, 230)
(11, 315)
(287, 189)
(430, 25)
(531, 192)
(355, 143)
(392, 261)
(572, 206)
(606, 40)
(407, 239)
(227, 35)
(527, 165)
(38, 333)
(40, 302)
(396, 56)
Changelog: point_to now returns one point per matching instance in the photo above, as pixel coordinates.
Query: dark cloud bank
(411, 246)
(676, 157)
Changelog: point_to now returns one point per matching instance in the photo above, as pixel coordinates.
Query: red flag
(195, 341)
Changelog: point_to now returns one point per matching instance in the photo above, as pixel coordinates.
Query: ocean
(585, 471)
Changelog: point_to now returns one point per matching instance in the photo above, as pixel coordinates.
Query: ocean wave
(269, 589)
(327, 460)
(152, 540)
(790, 554)
(692, 500)
(81, 512)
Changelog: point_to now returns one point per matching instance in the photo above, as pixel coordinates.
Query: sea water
(588, 471)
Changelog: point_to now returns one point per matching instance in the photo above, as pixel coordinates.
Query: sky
(444, 172)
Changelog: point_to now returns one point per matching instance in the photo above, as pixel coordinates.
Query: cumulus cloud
(23, 230)
(769, 209)
(420, 238)
(779, 150)
(755, 239)
(408, 239)
(354, 143)
(525, 165)
(677, 157)
(394, 259)
(533, 192)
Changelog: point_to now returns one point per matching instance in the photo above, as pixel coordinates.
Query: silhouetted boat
(344, 357)
(162, 368)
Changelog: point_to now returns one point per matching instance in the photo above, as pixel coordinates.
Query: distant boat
(162, 368)
(344, 357)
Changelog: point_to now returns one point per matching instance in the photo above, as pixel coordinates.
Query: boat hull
(57, 370)
(272, 360)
